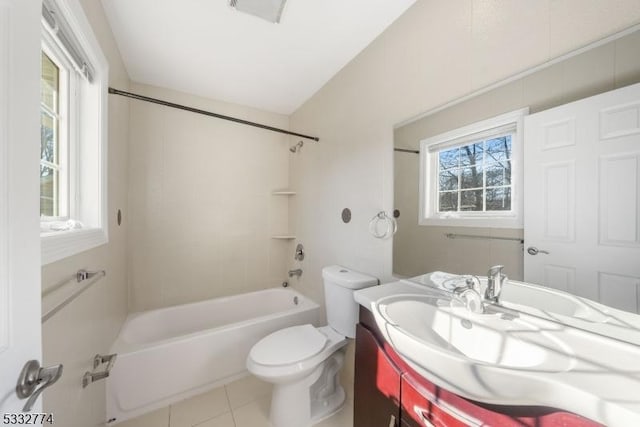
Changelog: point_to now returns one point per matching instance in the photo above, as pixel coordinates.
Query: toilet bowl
(303, 362)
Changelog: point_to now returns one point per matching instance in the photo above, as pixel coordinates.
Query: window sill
(57, 245)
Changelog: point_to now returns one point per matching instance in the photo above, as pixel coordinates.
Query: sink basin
(551, 301)
(476, 353)
(486, 338)
(495, 338)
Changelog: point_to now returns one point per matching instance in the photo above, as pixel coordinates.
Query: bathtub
(173, 353)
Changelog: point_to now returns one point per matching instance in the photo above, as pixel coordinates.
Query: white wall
(90, 323)
(418, 249)
(436, 52)
(202, 213)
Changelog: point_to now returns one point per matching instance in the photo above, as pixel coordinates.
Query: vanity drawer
(424, 404)
(421, 408)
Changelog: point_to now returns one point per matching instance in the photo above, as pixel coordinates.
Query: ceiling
(206, 48)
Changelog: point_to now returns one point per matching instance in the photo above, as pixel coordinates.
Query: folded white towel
(438, 279)
(71, 224)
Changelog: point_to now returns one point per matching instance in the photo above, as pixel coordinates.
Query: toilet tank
(339, 285)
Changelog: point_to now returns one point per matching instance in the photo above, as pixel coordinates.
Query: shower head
(296, 147)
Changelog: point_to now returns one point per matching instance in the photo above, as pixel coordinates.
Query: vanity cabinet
(389, 393)
(377, 383)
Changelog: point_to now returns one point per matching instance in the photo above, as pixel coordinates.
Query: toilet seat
(288, 346)
(293, 352)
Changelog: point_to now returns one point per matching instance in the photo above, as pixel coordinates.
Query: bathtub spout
(297, 272)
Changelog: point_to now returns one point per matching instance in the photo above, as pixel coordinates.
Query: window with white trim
(54, 147)
(73, 137)
(472, 176)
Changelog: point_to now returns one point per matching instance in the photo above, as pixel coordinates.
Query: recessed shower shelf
(284, 237)
(284, 193)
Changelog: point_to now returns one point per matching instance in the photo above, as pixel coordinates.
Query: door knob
(532, 250)
(31, 377)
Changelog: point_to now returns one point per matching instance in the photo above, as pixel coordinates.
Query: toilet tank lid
(348, 278)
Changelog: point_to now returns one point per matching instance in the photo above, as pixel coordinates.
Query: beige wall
(436, 52)
(417, 249)
(90, 324)
(202, 213)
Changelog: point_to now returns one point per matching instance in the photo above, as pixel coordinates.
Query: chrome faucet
(297, 272)
(469, 295)
(495, 281)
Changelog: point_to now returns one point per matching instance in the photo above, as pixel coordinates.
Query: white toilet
(303, 362)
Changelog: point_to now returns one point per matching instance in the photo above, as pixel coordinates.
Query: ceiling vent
(269, 10)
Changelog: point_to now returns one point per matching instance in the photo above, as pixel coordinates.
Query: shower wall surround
(201, 210)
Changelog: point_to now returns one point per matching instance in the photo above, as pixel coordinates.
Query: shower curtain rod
(404, 150)
(207, 113)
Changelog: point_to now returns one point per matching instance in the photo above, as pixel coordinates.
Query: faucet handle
(473, 282)
(496, 269)
(470, 298)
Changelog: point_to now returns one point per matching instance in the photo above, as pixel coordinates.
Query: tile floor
(244, 403)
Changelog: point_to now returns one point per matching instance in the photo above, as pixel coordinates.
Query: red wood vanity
(389, 393)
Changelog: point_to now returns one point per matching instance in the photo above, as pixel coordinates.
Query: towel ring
(388, 231)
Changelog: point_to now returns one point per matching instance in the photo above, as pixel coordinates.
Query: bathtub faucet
(297, 272)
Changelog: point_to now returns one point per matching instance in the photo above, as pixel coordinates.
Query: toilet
(303, 362)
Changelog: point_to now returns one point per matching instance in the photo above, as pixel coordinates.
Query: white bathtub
(173, 353)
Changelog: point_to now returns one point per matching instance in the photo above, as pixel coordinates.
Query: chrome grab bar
(481, 237)
(80, 276)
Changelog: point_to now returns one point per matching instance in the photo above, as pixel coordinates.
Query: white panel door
(19, 195)
(582, 198)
